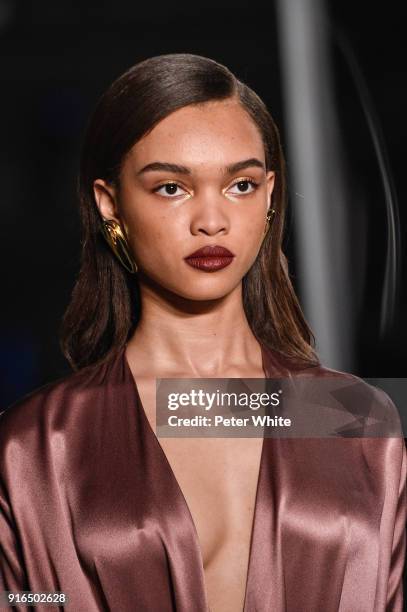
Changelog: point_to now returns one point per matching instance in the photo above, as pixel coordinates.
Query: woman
(182, 196)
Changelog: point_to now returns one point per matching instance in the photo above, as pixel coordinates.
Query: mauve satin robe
(89, 505)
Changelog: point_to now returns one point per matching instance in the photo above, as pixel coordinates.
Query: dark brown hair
(105, 304)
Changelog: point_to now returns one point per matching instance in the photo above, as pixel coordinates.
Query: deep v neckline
(180, 493)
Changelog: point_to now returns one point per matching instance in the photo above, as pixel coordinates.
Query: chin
(203, 296)
(200, 286)
(201, 292)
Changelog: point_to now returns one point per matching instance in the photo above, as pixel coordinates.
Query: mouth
(210, 258)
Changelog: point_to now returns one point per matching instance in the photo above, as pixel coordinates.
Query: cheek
(249, 238)
(154, 241)
(158, 241)
(250, 225)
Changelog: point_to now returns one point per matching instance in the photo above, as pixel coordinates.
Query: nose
(209, 214)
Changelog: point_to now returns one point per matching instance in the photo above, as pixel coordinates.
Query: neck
(188, 338)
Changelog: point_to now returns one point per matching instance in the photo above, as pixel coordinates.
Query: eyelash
(253, 183)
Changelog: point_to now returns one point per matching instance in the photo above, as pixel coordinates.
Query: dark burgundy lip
(213, 250)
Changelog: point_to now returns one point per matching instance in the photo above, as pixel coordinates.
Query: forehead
(210, 133)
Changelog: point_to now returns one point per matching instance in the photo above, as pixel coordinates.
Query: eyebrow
(176, 168)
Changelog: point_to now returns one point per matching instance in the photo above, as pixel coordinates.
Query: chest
(218, 479)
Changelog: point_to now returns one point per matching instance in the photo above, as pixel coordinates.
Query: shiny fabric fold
(89, 505)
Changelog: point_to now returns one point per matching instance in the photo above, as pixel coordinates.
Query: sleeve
(395, 583)
(12, 572)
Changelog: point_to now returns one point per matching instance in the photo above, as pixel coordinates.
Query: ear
(105, 198)
(270, 180)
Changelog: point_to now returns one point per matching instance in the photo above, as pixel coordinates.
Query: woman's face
(170, 212)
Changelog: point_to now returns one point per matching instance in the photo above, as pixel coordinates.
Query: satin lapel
(177, 529)
(264, 539)
(261, 591)
(265, 584)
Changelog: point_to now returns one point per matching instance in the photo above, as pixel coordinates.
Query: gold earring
(269, 218)
(114, 236)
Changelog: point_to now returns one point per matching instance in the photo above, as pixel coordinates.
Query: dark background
(56, 58)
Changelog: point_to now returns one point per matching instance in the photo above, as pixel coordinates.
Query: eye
(244, 185)
(170, 190)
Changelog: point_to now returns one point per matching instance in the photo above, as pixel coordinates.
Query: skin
(218, 476)
(206, 209)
